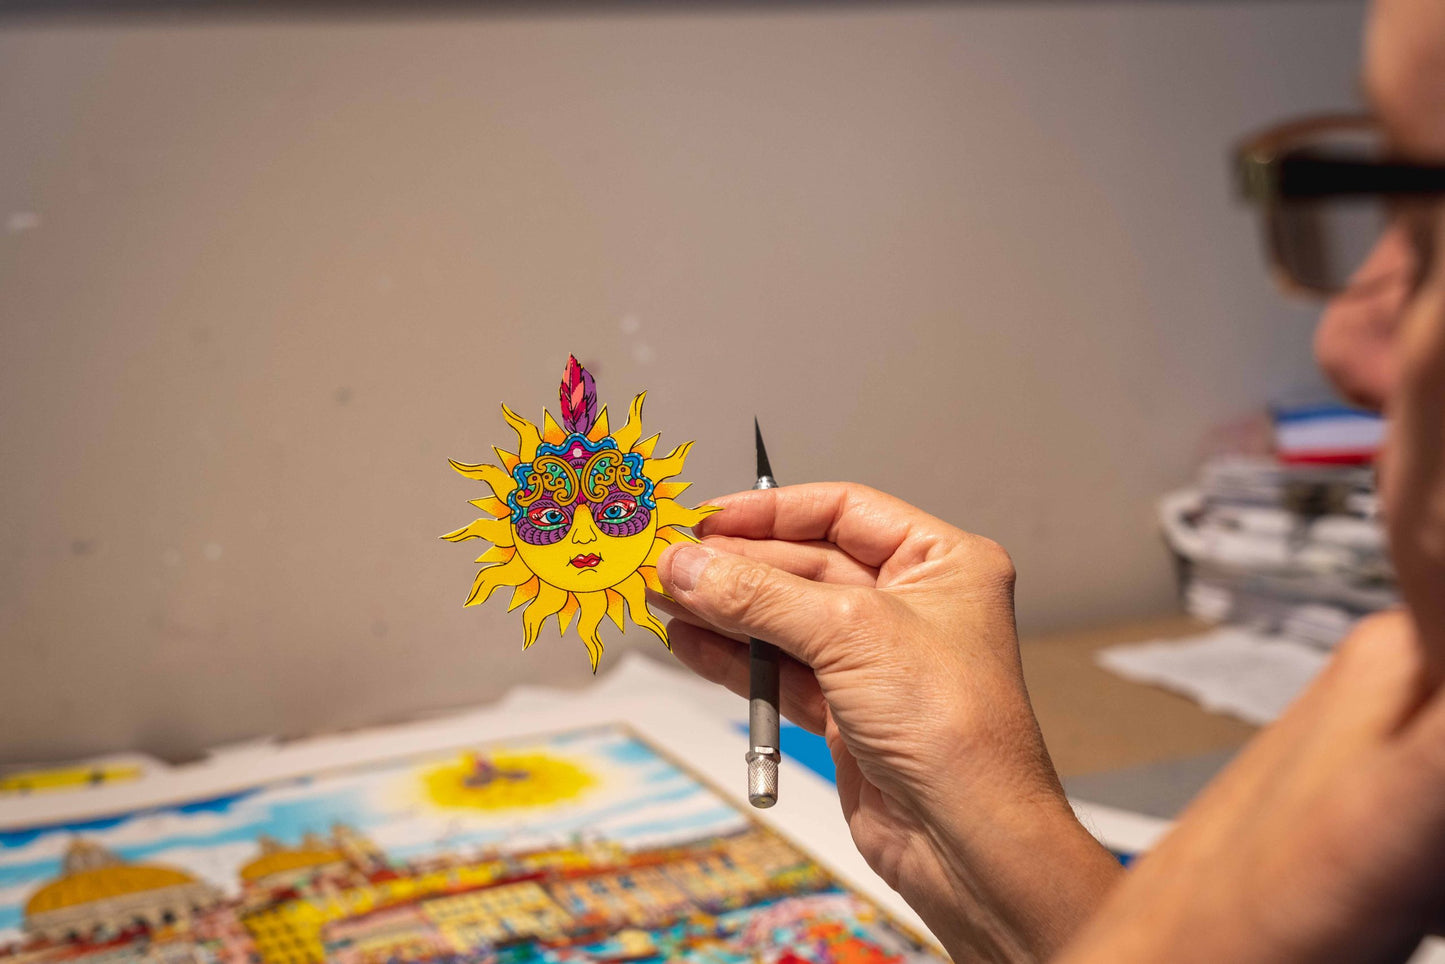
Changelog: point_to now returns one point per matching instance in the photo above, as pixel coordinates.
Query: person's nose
(584, 530)
(1355, 342)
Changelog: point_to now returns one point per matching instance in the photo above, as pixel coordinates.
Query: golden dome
(280, 861)
(101, 883)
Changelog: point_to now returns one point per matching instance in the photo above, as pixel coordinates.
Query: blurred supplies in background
(1294, 549)
(1286, 551)
(1329, 434)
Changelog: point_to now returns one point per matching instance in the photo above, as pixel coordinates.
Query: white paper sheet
(1246, 674)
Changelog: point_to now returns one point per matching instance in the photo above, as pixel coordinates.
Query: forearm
(1014, 889)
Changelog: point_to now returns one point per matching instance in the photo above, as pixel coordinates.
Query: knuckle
(850, 497)
(846, 609)
(993, 562)
(742, 587)
(860, 492)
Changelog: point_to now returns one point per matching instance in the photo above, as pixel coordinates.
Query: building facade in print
(496, 915)
(223, 937)
(339, 899)
(99, 895)
(636, 896)
(280, 866)
(392, 935)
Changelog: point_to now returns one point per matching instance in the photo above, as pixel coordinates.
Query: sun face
(587, 514)
(579, 518)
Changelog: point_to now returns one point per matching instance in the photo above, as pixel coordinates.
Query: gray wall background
(258, 280)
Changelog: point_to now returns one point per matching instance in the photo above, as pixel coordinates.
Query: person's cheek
(1412, 472)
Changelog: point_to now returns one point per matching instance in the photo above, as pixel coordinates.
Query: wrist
(1016, 885)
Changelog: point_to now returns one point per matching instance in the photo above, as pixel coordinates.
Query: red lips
(587, 561)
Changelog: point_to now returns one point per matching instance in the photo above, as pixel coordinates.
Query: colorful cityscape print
(581, 846)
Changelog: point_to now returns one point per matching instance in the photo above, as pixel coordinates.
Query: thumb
(736, 594)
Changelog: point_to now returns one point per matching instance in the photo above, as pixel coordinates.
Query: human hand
(898, 631)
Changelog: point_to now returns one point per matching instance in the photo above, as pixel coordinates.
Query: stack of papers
(1296, 551)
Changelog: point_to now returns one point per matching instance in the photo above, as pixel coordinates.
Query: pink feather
(578, 396)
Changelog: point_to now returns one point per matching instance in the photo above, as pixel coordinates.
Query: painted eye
(619, 511)
(547, 517)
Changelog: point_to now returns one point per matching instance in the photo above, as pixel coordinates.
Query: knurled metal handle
(762, 776)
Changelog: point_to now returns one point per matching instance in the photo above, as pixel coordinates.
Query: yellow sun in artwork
(579, 517)
(505, 781)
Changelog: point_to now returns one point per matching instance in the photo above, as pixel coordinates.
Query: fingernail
(688, 562)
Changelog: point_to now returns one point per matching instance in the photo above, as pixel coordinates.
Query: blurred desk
(1094, 721)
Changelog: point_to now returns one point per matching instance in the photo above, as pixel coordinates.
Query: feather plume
(579, 398)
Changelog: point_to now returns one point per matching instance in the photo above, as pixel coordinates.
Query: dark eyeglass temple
(1301, 176)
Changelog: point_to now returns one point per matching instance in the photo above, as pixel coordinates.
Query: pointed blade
(765, 469)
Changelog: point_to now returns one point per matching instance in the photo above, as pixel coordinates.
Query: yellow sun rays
(504, 567)
(505, 781)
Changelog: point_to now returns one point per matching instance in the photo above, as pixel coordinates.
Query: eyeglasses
(1329, 189)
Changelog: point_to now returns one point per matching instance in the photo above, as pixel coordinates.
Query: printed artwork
(579, 516)
(65, 778)
(580, 846)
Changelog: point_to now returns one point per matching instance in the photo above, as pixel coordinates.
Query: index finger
(867, 524)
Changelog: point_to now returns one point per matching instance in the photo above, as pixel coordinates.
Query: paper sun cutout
(579, 517)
